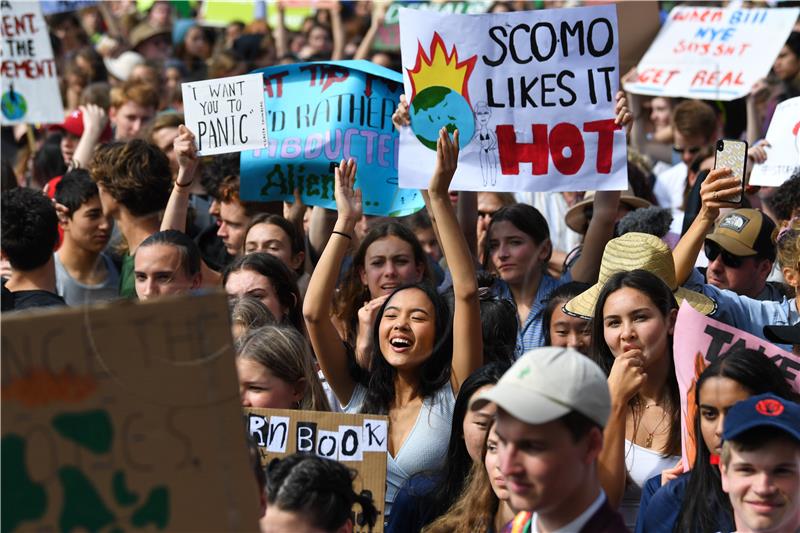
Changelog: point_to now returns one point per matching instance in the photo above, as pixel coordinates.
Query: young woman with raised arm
(420, 356)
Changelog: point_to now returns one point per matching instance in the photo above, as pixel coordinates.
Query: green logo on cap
(524, 372)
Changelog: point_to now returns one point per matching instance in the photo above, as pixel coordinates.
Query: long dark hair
(705, 505)
(661, 296)
(352, 293)
(452, 476)
(434, 372)
(525, 218)
(282, 279)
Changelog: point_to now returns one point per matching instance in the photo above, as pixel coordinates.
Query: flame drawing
(440, 69)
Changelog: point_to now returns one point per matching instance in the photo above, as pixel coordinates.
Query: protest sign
(216, 12)
(50, 7)
(639, 22)
(783, 152)
(319, 114)
(358, 441)
(226, 114)
(124, 417)
(532, 94)
(30, 92)
(699, 341)
(387, 38)
(713, 53)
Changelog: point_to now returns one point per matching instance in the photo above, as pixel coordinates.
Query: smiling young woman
(420, 355)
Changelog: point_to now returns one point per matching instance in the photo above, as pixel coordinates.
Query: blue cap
(762, 411)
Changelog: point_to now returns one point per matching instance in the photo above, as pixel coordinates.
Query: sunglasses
(713, 250)
(694, 150)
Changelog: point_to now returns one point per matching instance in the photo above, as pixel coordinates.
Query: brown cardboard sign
(124, 417)
(357, 441)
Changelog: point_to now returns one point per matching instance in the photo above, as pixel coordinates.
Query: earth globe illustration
(13, 105)
(437, 107)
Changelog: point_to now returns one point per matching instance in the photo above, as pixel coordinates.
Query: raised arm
(331, 352)
(281, 35)
(338, 32)
(467, 332)
(94, 122)
(378, 14)
(714, 189)
(178, 204)
(604, 216)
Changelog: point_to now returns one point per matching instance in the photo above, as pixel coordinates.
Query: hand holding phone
(733, 155)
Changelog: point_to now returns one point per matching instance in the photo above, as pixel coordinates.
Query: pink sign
(699, 341)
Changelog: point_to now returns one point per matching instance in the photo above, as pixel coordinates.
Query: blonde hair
(286, 353)
(477, 506)
(788, 244)
(250, 313)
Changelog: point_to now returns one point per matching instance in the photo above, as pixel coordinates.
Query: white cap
(122, 66)
(547, 383)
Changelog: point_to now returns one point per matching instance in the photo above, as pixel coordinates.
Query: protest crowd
(574, 309)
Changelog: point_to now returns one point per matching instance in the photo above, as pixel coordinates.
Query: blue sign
(318, 114)
(50, 7)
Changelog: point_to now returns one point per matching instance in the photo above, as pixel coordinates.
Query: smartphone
(732, 154)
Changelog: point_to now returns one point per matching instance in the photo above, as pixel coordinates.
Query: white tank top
(641, 464)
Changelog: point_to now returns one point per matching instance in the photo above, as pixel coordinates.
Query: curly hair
(29, 228)
(135, 173)
(788, 245)
(785, 201)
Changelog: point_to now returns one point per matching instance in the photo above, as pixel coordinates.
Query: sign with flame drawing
(532, 95)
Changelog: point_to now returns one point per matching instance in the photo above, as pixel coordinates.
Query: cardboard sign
(30, 92)
(319, 114)
(783, 153)
(357, 441)
(124, 417)
(713, 53)
(532, 94)
(387, 39)
(699, 341)
(639, 23)
(226, 114)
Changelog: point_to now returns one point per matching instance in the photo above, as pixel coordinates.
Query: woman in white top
(420, 356)
(633, 324)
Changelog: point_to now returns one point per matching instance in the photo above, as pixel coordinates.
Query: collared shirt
(579, 522)
(530, 334)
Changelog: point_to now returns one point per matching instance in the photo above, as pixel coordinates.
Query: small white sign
(783, 153)
(226, 114)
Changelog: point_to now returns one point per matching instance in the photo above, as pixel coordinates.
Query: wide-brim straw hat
(637, 251)
(576, 215)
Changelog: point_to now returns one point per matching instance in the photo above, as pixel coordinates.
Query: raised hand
(623, 117)
(348, 199)
(186, 152)
(294, 212)
(95, 120)
(401, 116)
(717, 186)
(446, 162)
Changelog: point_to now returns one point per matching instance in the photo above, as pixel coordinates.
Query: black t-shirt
(19, 300)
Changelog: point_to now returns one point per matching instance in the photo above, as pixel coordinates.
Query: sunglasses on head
(713, 250)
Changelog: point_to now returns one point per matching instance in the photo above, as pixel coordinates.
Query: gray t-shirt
(75, 293)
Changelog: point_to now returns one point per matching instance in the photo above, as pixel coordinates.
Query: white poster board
(783, 154)
(712, 53)
(531, 93)
(226, 114)
(30, 92)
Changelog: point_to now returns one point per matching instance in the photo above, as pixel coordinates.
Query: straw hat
(576, 215)
(634, 251)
